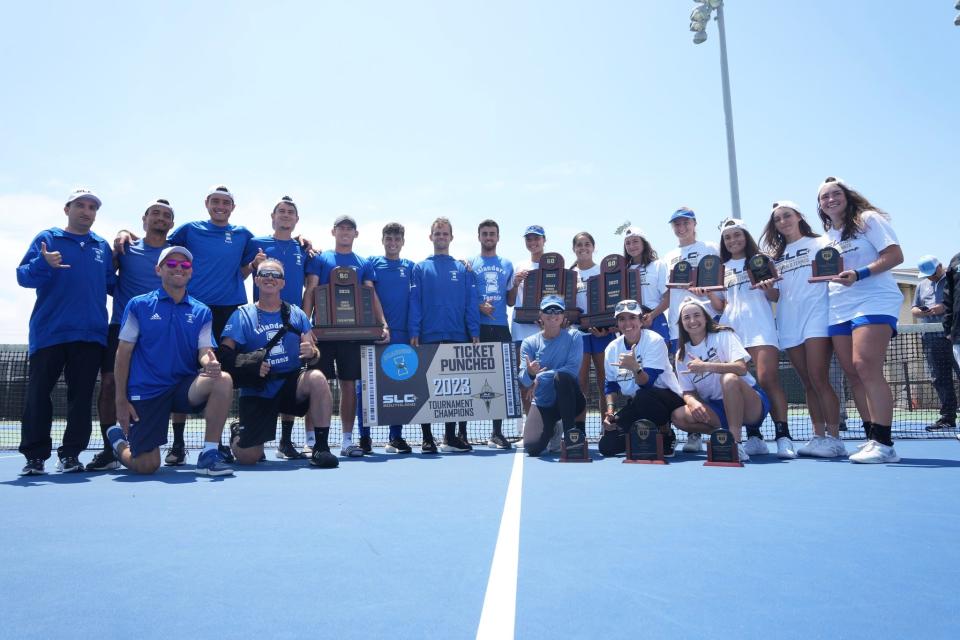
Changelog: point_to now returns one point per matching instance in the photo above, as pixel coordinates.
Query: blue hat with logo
(927, 266)
(552, 301)
(534, 229)
(683, 212)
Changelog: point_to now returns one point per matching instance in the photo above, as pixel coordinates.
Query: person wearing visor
(638, 367)
(551, 363)
(712, 369)
(166, 363)
(284, 385)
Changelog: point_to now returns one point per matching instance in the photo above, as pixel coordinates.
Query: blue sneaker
(115, 436)
(210, 463)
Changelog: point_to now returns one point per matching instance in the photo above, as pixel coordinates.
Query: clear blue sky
(574, 115)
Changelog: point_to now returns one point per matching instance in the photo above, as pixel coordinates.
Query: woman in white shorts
(747, 310)
(802, 321)
(864, 303)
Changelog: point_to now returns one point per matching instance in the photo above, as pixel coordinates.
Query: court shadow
(927, 463)
(50, 478)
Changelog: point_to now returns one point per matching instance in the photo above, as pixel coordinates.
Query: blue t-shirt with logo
(252, 328)
(393, 288)
(137, 275)
(294, 260)
(494, 277)
(218, 255)
(322, 264)
(168, 337)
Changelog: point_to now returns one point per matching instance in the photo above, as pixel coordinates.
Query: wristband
(863, 273)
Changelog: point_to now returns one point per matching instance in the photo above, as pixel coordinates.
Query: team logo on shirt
(299, 260)
(228, 238)
(403, 273)
(711, 357)
(156, 316)
(189, 318)
(278, 349)
(453, 276)
(98, 255)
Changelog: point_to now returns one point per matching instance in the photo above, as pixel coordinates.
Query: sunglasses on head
(553, 311)
(183, 264)
(626, 305)
(270, 275)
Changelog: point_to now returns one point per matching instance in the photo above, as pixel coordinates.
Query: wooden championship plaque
(681, 275)
(759, 268)
(550, 279)
(615, 282)
(343, 309)
(644, 443)
(574, 447)
(827, 264)
(722, 450)
(709, 274)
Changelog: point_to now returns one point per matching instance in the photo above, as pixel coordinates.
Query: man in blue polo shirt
(393, 289)
(282, 246)
(163, 336)
(283, 385)
(136, 265)
(342, 359)
(494, 278)
(72, 271)
(443, 308)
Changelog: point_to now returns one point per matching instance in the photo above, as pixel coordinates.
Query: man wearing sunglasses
(287, 387)
(166, 363)
(71, 270)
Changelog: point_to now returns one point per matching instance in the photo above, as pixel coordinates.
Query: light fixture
(713, 4)
(697, 26)
(699, 37)
(700, 14)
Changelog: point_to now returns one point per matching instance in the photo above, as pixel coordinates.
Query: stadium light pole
(698, 24)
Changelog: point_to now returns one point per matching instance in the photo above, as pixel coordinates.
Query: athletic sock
(449, 430)
(396, 431)
(881, 433)
(321, 438)
(312, 438)
(782, 430)
(497, 428)
(462, 432)
(210, 446)
(427, 431)
(178, 429)
(754, 432)
(286, 430)
(365, 432)
(106, 440)
(346, 439)
(868, 430)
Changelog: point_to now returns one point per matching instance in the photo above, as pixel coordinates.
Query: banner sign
(439, 383)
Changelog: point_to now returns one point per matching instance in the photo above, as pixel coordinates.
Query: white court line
(497, 620)
(16, 456)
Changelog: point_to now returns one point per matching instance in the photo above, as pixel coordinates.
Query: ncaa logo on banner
(399, 362)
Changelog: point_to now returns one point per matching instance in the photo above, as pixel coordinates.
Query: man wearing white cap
(166, 363)
(72, 272)
(928, 308)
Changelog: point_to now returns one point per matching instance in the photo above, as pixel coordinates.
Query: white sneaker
(756, 446)
(807, 449)
(307, 450)
(692, 445)
(352, 450)
(785, 449)
(556, 441)
(838, 446)
(742, 453)
(875, 453)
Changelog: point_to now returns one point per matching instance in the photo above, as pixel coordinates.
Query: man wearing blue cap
(72, 272)
(928, 308)
(550, 366)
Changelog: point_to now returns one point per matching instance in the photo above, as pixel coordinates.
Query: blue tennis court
(403, 547)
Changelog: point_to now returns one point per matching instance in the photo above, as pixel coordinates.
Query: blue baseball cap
(534, 229)
(927, 266)
(683, 212)
(552, 301)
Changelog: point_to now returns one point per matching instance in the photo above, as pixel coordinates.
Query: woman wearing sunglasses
(653, 280)
(864, 303)
(712, 368)
(747, 310)
(802, 321)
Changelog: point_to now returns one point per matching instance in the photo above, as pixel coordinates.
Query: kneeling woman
(638, 367)
(551, 362)
(712, 370)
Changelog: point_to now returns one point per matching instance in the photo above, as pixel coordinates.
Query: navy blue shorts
(258, 415)
(150, 431)
(846, 328)
(593, 344)
(717, 406)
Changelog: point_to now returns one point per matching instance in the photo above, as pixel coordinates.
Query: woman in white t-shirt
(802, 322)
(864, 303)
(717, 386)
(747, 310)
(594, 340)
(653, 281)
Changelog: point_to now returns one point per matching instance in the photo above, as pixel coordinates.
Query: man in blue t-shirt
(164, 336)
(341, 360)
(393, 289)
(443, 309)
(136, 265)
(494, 278)
(72, 272)
(283, 385)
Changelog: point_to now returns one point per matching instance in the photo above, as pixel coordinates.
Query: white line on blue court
(497, 620)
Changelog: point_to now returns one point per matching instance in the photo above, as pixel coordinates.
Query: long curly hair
(774, 242)
(857, 205)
